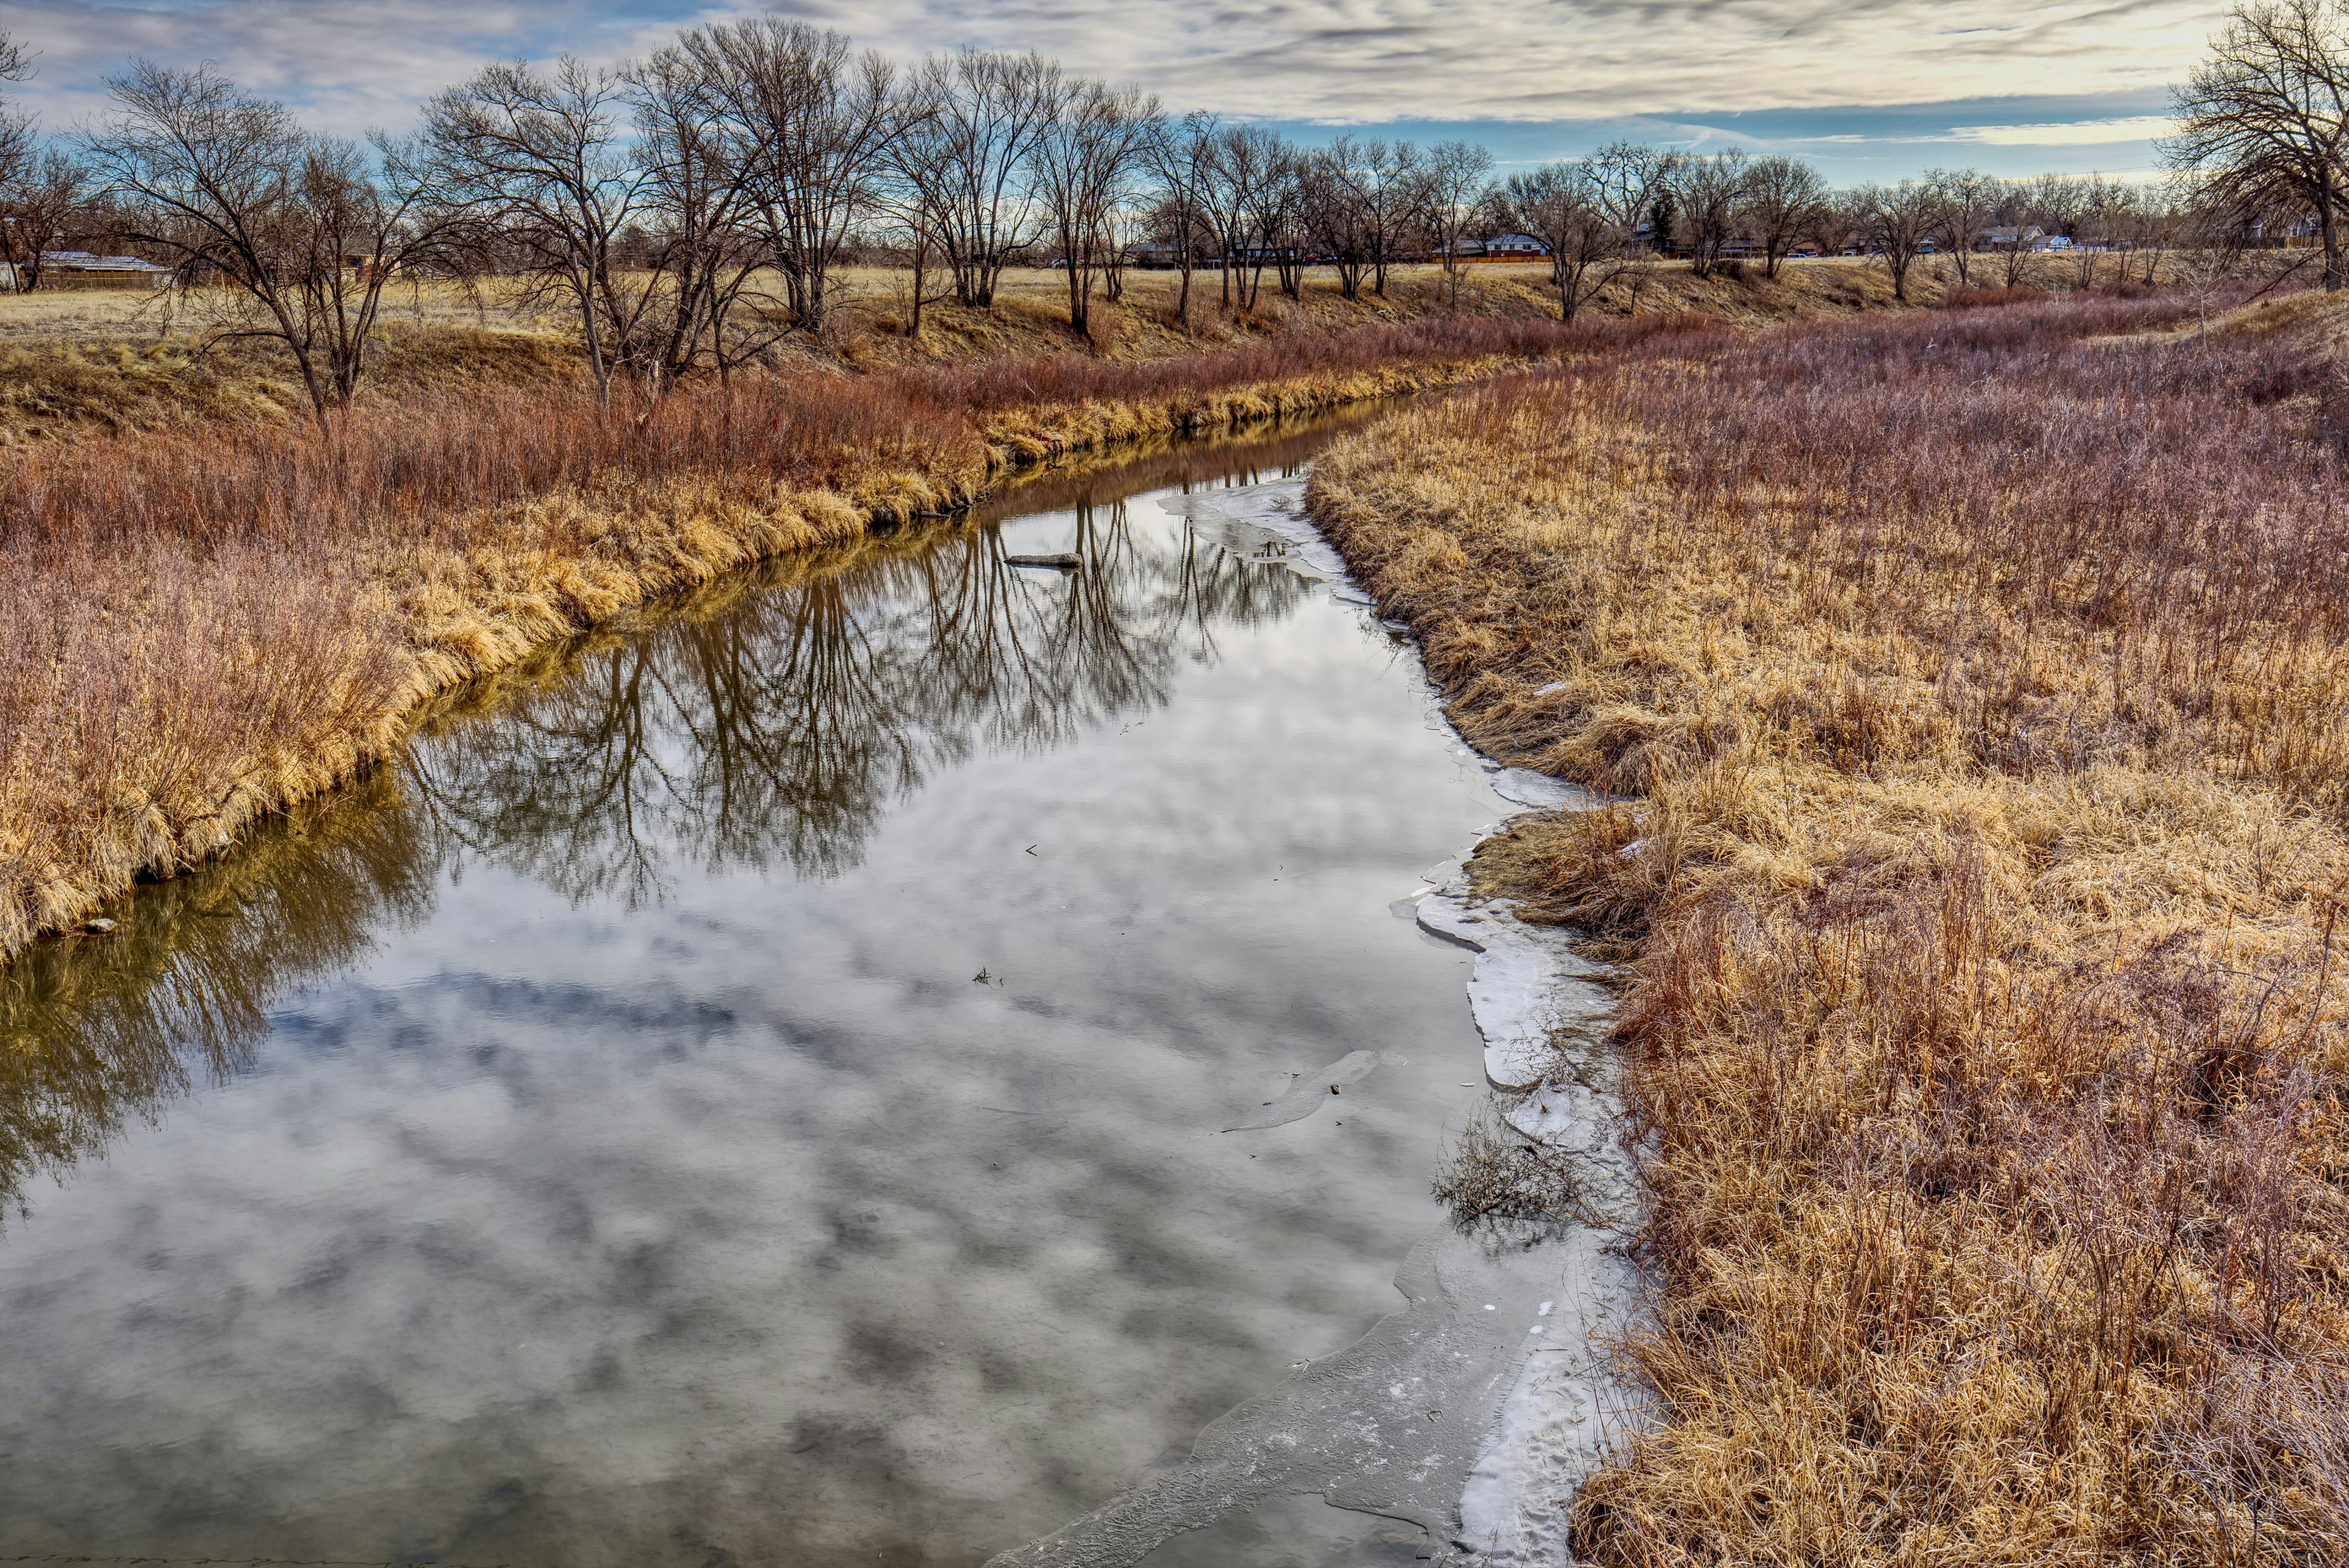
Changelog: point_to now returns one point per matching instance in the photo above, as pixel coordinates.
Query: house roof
(89, 261)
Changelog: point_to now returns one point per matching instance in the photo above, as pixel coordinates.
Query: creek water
(749, 1086)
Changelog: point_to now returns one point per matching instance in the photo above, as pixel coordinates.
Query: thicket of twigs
(199, 625)
(1978, 679)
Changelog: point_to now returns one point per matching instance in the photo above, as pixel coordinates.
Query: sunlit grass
(1978, 679)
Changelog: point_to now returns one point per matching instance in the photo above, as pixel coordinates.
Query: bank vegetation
(203, 623)
(1973, 686)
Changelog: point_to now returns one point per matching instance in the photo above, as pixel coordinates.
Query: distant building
(84, 270)
(2029, 237)
(1514, 248)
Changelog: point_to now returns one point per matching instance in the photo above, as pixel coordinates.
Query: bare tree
(1332, 185)
(1710, 194)
(1783, 198)
(2265, 120)
(1181, 155)
(697, 258)
(1278, 220)
(1455, 181)
(1627, 183)
(2016, 209)
(1330, 212)
(1082, 164)
(2102, 217)
(965, 159)
(2158, 220)
(1625, 179)
(1835, 226)
(1556, 204)
(1898, 221)
(40, 208)
(17, 150)
(1253, 201)
(810, 127)
(308, 229)
(1966, 200)
(1388, 180)
(539, 160)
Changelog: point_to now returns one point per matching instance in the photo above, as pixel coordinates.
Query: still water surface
(746, 1090)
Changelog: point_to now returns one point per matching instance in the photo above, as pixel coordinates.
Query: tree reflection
(776, 730)
(97, 1032)
(763, 722)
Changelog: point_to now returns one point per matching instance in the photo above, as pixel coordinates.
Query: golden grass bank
(1973, 683)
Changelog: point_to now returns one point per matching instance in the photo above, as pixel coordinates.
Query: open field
(1977, 683)
(72, 361)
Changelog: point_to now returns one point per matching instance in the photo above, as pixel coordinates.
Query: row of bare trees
(1602, 216)
(689, 210)
(692, 210)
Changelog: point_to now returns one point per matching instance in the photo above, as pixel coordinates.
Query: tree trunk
(921, 259)
(2328, 225)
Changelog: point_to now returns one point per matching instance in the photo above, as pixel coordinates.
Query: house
(1514, 248)
(83, 270)
(2026, 237)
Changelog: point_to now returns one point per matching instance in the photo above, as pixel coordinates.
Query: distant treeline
(693, 208)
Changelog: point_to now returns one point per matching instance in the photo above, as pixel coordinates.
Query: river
(750, 1086)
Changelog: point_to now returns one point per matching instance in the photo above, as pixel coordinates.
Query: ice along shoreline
(1478, 1409)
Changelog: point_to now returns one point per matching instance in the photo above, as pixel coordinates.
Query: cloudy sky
(1869, 88)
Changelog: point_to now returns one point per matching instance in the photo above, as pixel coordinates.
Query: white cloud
(353, 63)
(2074, 133)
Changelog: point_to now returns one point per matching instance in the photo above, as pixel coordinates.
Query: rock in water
(1060, 561)
(98, 927)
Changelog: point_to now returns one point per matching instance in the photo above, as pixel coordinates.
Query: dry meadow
(1972, 682)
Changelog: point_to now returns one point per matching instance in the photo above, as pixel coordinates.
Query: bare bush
(308, 229)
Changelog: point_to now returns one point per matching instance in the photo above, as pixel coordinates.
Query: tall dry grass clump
(201, 625)
(1977, 679)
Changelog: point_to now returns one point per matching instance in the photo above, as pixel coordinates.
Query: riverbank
(214, 611)
(1976, 683)
(201, 626)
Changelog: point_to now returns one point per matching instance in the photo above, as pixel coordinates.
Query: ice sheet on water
(1539, 791)
(1250, 521)
(1393, 1424)
(1314, 1089)
(1528, 982)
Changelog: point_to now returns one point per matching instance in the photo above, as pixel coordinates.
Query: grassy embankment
(1978, 679)
(123, 360)
(209, 612)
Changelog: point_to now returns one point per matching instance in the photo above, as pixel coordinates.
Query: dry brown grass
(76, 361)
(202, 623)
(1979, 679)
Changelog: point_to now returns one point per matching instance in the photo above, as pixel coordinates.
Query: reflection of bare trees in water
(777, 732)
(769, 720)
(94, 1033)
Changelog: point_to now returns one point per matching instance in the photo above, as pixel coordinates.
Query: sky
(1869, 89)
